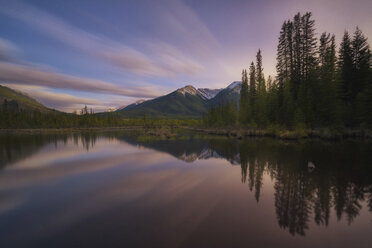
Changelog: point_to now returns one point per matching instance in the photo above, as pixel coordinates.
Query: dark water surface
(119, 189)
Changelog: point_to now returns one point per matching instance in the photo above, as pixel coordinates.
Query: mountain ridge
(20, 100)
(187, 101)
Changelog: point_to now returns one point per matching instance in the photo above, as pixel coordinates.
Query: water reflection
(341, 182)
(342, 179)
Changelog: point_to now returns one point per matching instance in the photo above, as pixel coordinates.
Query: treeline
(14, 117)
(223, 114)
(315, 86)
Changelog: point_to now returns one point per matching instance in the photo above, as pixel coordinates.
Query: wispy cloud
(115, 53)
(20, 74)
(67, 102)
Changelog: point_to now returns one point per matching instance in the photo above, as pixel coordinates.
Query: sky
(108, 54)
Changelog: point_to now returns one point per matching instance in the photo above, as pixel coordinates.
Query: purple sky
(108, 54)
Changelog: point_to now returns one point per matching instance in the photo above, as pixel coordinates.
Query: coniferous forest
(16, 118)
(317, 84)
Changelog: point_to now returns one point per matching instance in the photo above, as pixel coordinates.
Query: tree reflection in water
(341, 181)
(342, 178)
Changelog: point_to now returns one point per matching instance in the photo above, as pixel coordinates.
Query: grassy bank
(163, 132)
(170, 132)
(322, 133)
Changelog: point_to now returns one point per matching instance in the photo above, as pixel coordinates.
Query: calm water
(124, 190)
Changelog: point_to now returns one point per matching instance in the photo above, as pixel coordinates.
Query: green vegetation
(16, 100)
(314, 88)
(20, 118)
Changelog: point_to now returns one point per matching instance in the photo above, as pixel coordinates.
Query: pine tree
(308, 85)
(252, 84)
(361, 61)
(344, 90)
(345, 69)
(281, 55)
(259, 73)
(309, 45)
(297, 76)
(244, 99)
(260, 106)
(281, 63)
(252, 90)
(326, 109)
(361, 75)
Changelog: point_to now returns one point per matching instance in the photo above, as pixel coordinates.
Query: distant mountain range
(183, 102)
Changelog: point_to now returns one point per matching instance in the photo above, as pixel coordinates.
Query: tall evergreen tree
(297, 55)
(252, 83)
(281, 55)
(261, 87)
(260, 106)
(345, 80)
(281, 62)
(345, 69)
(252, 89)
(244, 99)
(326, 109)
(361, 61)
(361, 76)
(309, 45)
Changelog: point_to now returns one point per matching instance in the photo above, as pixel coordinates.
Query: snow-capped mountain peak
(208, 93)
(189, 89)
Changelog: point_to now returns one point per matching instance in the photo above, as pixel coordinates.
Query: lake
(122, 189)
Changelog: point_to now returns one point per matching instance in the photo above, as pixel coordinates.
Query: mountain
(209, 93)
(183, 102)
(23, 101)
(231, 92)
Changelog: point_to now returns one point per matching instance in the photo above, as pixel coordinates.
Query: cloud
(112, 52)
(175, 59)
(182, 22)
(7, 51)
(19, 74)
(134, 62)
(67, 102)
(62, 100)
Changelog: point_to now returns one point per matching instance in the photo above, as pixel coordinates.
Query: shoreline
(238, 133)
(324, 134)
(65, 130)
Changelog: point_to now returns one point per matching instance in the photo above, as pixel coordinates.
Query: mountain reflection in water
(339, 186)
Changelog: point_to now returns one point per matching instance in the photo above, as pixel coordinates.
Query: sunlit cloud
(19, 74)
(68, 102)
(110, 51)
